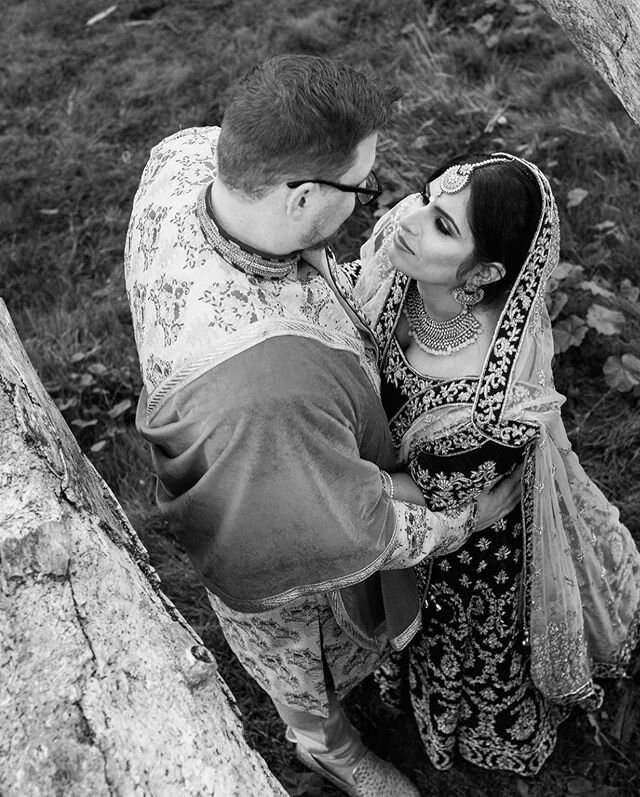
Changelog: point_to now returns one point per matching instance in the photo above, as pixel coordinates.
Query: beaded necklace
(239, 255)
(439, 337)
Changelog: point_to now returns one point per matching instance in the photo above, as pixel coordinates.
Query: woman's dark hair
(503, 214)
(296, 117)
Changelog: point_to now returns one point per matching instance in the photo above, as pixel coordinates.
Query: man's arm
(493, 504)
(261, 467)
(422, 533)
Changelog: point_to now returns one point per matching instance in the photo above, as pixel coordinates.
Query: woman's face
(434, 239)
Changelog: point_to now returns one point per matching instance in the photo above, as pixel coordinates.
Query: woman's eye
(442, 227)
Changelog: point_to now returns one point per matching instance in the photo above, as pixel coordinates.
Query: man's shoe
(373, 777)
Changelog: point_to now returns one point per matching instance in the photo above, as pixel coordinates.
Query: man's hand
(494, 504)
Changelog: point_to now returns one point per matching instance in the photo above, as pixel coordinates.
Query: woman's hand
(315, 257)
(405, 489)
(496, 503)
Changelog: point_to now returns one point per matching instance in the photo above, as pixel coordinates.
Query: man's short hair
(297, 117)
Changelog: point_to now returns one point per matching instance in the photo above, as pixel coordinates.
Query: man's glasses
(365, 194)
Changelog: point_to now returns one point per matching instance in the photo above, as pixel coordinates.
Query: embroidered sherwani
(261, 405)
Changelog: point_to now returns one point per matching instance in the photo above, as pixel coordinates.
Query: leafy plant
(599, 313)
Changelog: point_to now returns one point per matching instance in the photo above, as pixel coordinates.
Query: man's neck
(254, 223)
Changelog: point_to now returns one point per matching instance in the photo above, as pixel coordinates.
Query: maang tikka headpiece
(456, 177)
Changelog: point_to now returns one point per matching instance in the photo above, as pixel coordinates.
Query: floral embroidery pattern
(455, 488)
(284, 649)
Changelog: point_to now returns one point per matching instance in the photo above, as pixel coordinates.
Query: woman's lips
(403, 243)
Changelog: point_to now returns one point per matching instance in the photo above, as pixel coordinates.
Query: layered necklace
(236, 253)
(439, 337)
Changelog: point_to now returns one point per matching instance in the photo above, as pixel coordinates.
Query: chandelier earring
(468, 295)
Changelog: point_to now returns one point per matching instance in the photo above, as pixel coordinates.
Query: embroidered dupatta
(583, 577)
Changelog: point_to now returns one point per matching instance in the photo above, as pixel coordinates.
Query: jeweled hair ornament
(456, 177)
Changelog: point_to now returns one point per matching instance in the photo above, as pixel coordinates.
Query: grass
(84, 105)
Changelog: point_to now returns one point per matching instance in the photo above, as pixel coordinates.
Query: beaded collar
(238, 254)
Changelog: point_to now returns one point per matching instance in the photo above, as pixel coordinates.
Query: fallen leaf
(421, 142)
(120, 408)
(524, 8)
(86, 380)
(565, 271)
(483, 25)
(576, 196)
(81, 424)
(98, 446)
(596, 289)
(604, 226)
(622, 373)
(569, 332)
(65, 404)
(100, 16)
(605, 321)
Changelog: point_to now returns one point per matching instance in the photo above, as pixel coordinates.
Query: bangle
(473, 514)
(387, 483)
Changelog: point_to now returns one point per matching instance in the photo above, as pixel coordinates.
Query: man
(260, 401)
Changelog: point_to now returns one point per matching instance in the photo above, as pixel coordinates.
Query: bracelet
(387, 483)
(473, 514)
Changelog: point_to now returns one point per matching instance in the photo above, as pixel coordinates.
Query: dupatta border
(525, 299)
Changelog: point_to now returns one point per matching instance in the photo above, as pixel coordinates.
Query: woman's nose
(410, 224)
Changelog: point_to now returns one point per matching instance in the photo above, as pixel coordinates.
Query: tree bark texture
(607, 34)
(104, 688)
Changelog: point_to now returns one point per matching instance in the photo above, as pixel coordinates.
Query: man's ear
(486, 273)
(297, 201)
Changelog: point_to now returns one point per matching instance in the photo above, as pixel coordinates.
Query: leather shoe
(373, 777)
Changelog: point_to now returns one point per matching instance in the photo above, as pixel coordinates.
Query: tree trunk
(607, 34)
(105, 689)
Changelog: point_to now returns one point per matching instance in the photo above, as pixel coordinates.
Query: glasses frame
(369, 194)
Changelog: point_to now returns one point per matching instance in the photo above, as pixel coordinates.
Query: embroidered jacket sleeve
(269, 463)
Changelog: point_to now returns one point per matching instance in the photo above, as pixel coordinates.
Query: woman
(519, 621)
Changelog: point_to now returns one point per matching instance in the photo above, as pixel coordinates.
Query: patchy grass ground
(83, 105)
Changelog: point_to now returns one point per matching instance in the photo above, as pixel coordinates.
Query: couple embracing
(366, 461)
